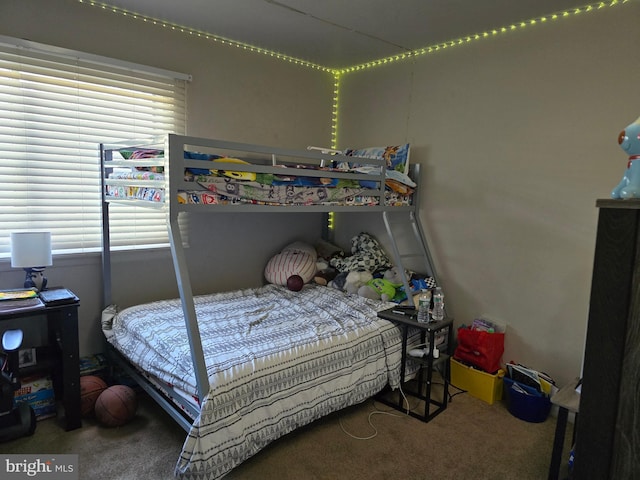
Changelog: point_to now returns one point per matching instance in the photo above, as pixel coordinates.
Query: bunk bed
(294, 356)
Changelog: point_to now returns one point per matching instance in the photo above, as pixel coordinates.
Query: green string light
(370, 64)
(207, 36)
(334, 110)
(339, 72)
(483, 35)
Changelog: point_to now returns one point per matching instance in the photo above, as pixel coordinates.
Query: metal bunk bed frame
(174, 147)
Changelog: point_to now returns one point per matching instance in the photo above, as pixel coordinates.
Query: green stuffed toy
(382, 288)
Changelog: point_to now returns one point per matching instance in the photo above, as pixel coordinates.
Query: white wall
(518, 137)
(235, 95)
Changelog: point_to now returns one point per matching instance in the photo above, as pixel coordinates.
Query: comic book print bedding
(276, 360)
(221, 190)
(263, 190)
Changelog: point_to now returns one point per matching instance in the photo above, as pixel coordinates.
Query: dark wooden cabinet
(608, 428)
(64, 364)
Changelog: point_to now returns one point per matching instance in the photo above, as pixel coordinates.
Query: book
(20, 305)
(58, 296)
(18, 294)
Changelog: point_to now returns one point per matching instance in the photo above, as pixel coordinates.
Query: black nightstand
(62, 357)
(428, 332)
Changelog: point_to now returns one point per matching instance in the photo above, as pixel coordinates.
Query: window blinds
(56, 110)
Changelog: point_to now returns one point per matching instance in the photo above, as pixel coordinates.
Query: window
(57, 107)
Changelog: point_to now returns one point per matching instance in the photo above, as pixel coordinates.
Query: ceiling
(343, 33)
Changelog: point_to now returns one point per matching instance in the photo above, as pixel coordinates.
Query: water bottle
(424, 302)
(438, 305)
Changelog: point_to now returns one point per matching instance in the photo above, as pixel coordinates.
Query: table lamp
(32, 252)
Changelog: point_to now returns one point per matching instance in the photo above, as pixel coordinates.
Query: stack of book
(19, 300)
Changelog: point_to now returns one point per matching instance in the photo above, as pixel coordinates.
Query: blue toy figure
(629, 140)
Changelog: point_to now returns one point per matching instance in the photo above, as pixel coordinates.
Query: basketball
(116, 406)
(90, 389)
(295, 283)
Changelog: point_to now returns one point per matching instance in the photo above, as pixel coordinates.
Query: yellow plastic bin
(479, 384)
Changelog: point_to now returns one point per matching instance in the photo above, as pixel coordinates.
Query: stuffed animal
(325, 275)
(383, 288)
(394, 275)
(629, 141)
(378, 289)
(366, 255)
(324, 272)
(350, 282)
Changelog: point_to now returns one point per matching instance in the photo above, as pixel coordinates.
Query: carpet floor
(469, 440)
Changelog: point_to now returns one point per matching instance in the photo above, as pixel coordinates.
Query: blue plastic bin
(533, 408)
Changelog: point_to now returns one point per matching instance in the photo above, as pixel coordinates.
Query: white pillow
(295, 259)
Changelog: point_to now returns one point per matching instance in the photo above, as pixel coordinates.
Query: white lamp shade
(31, 249)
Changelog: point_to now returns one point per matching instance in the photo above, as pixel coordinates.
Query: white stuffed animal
(383, 288)
(351, 282)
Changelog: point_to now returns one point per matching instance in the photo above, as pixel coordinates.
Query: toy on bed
(357, 270)
(382, 288)
(629, 141)
(248, 176)
(297, 259)
(351, 282)
(366, 255)
(325, 273)
(396, 157)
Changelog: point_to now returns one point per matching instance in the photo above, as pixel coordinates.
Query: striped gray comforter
(276, 360)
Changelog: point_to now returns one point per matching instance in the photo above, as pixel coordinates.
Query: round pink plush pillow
(296, 259)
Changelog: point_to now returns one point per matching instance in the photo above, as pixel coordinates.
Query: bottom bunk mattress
(276, 360)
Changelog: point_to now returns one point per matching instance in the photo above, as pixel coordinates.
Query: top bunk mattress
(265, 190)
(374, 177)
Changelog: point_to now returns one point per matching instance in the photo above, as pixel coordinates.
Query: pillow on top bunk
(396, 157)
(199, 156)
(138, 153)
(142, 153)
(298, 258)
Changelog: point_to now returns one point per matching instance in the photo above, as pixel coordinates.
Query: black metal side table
(407, 319)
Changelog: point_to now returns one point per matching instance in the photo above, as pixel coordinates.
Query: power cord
(460, 391)
(391, 412)
(379, 412)
(375, 430)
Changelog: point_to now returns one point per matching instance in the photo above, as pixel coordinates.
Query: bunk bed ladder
(409, 249)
